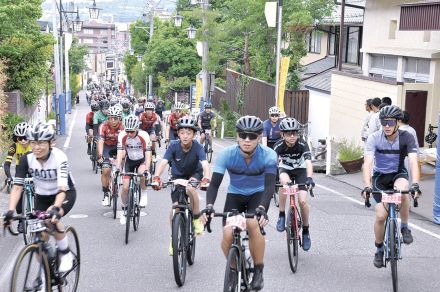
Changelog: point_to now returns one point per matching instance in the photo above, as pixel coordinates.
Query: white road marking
(430, 233)
(72, 124)
(6, 270)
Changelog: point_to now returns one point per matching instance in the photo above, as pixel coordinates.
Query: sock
(379, 246)
(105, 189)
(63, 244)
(403, 225)
(305, 229)
(89, 147)
(282, 214)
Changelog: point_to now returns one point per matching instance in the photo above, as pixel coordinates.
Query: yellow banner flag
(284, 68)
(198, 91)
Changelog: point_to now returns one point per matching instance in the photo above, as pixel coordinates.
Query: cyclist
(271, 128)
(188, 161)
(149, 120)
(173, 120)
(295, 164)
(139, 107)
(89, 125)
(160, 107)
(133, 145)
(100, 116)
(125, 103)
(388, 149)
(252, 170)
(54, 189)
(205, 122)
(107, 148)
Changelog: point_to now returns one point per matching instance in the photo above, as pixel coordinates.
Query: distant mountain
(122, 10)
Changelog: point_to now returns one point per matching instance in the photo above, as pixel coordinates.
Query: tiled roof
(352, 15)
(317, 67)
(321, 82)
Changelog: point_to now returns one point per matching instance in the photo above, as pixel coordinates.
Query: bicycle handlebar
(228, 214)
(34, 215)
(310, 190)
(390, 192)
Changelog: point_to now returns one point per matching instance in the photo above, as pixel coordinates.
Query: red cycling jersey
(174, 119)
(89, 119)
(147, 122)
(110, 134)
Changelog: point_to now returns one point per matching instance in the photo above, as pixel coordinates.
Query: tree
(77, 55)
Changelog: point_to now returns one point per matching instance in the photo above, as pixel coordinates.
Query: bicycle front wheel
(27, 207)
(393, 253)
(114, 197)
(232, 271)
(179, 249)
(136, 210)
(292, 239)
(31, 270)
(70, 279)
(191, 251)
(129, 214)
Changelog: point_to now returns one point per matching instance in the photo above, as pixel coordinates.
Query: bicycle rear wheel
(179, 250)
(233, 271)
(70, 279)
(129, 214)
(393, 253)
(114, 198)
(136, 210)
(292, 239)
(31, 270)
(191, 251)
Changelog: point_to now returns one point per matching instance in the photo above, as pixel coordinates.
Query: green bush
(348, 151)
(229, 118)
(51, 116)
(10, 120)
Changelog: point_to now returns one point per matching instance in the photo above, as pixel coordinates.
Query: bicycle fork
(392, 217)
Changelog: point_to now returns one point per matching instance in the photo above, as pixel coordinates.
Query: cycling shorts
(174, 194)
(242, 203)
(132, 165)
(107, 152)
(173, 134)
(44, 202)
(385, 182)
(297, 176)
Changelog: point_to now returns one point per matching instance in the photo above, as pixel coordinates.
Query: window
(315, 42)
(88, 31)
(420, 17)
(88, 41)
(104, 32)
(353, 45)
(109, 64)
(417, 70)
(383, 66)
(332, 41)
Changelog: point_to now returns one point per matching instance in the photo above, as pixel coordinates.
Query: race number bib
(237, 221)
(291, 190)
(395, 198)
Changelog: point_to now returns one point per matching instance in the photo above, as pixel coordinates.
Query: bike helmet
(289, 124)
(21, 129)
(114, 111)
(104, 104)
(149, 106)
(131, 123)
(187, 122)
(390, 112)
(208, 105)
(179, 106)
(113, 101)
(125, 103)
(250, 124)
(430, 138)
(274, 111)
(41, 132)
(95, 106)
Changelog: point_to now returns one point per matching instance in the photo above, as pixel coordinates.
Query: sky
(122, 10)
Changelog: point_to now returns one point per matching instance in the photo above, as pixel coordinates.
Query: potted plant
(350, 156)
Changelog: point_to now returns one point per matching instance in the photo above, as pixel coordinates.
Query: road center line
(430, 233)
(72, 124)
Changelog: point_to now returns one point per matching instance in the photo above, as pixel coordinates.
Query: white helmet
(274, 111)
(114, 111)
(149, 105)
(21, 129)
(41, 132)
(131, 123)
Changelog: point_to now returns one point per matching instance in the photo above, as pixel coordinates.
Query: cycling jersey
(293, 157)
(185, 164)
(246, 179)
(110, 134)
(99, 117)
(89, 119)
(173, 119)
(134, 147)
(205, 119)
(48, 177)
(389, 156)
(125, 114)
(18, 150)
(272, 133)
(147, 122)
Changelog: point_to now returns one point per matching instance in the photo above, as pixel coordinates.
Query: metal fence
(258, 96)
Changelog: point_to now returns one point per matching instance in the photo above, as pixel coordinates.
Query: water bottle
(51, 253)
(248, 257)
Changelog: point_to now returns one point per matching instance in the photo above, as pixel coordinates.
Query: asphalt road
(341, 257)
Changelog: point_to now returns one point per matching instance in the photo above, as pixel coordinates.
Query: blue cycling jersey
(185, 164)
(246, 179)
(272, 133)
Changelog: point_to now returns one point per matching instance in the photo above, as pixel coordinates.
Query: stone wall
(16, 105)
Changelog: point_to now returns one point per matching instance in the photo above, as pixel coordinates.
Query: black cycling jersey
(293, 157)
(205, 119)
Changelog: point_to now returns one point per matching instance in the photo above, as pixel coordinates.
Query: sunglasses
(113, 118)
(21, 138)
(389, 123)
(274, 115)
(251, 136)
(290, 133)
(130, 132)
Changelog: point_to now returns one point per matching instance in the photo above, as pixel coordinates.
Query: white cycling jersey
(48, 177)
(135, 147)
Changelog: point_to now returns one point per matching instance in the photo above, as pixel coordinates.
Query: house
(323, 47)
(400, 59)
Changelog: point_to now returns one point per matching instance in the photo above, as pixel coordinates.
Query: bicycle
(27, 204)
(114, 187)
(39, 261)
(133, 211)
(239, 262)
(93, 156)
(392, 240)
(208, 146)
(183, 237)
(294, 224)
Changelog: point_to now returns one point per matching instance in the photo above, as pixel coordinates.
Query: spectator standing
(374, 122)
(364, 130)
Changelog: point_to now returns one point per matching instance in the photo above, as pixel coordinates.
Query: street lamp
(94, 11)
(191, 32)
(77, 23)
(178, 20)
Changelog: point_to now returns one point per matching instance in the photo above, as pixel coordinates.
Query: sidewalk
(427, 185)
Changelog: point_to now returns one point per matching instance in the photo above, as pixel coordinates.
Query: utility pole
(280, 23)
(205, 57)
(341, 36)
(150, 77)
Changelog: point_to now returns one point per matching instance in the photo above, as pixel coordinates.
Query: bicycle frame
(392, 216)
(295, 212)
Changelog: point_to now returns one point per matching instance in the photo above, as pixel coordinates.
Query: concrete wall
(347, 110)
(312, 57)
(319, 113)
(377, 21)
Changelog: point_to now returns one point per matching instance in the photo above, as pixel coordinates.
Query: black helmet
(289, 124)
(104, 104)
(390, 112)
(187, 122)
(95, 106)
(208, 105)
(250, 124)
